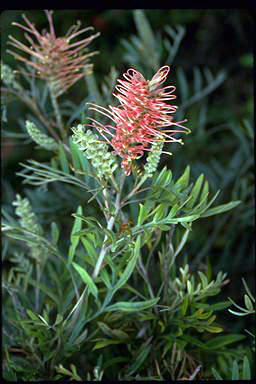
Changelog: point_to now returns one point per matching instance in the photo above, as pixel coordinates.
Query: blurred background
(211, 59)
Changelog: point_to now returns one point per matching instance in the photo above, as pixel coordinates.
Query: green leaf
(75, 151)
(183, 181)
(248, 303)
(55, 233)
(172, 212)
(216, 374)
(202, 206)
(205, 191)
(163, 227)
(222, 341)
(140, 359)
(203, 278)
(142, 215)
(116, 333)
(105, 278)
(220, 208)
(185, 218)
(219, 306)
(32, 315)
(63, 159)
(163, 178)
(136, 306)
(90, 249)
(246, 369)
(105, 343)
(130, 266)
(235, 371)
(75, 239)
(195, 191)
(159, 213)
(86, 279)
(184, 305)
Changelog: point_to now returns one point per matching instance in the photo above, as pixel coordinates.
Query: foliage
(110, 276)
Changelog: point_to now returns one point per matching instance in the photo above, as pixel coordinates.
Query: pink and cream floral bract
(142, 117)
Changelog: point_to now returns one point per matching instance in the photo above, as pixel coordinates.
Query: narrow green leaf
(142, 215)
(183, 181)
(89, 248)
(181, 219)
(216, 374)
(163, 227)
(205, 191)
(32, 315)
(172, 212)
(105, 343)
(86, 279)
(221, 341)
(195, 191)
(105, 328)
(220, 208)
(163, 178)
(248, 303)
(136, 306)
(63, 159)
(204, 207)
(75, 239)
(140, 359)
(213, 329)
(130, 266)
(219, 306)
(75, 154)
(246, 369)
(105, 277)
(235, 371)
(184, 306)
(55, 233)
(160, 213)
(203, 278)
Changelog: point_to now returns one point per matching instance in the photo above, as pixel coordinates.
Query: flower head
(141, 116)
(55, 59)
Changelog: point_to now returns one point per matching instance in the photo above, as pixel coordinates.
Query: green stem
(110, 225)
(57, 112)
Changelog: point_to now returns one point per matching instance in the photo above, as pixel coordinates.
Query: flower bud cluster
(40, 138)
(102, 160)
(28, 219)
(153, 158)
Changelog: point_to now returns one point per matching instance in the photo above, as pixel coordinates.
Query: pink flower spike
(55, 59)
(140, 116)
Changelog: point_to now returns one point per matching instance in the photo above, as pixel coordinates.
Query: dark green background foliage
(212, 70)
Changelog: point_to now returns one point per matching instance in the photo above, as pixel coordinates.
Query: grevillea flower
(55, 59)
(142, 116)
